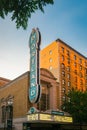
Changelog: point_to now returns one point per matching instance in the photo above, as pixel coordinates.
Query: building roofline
(12, 81)
(25, 74)
(4, 79)
(71, 48)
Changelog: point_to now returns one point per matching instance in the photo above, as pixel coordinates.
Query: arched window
(63, 73)
(62, 66)
(68, 68)
(63, 81)
(63, 89)
(68, 76)
(43, 105)
(62, 57)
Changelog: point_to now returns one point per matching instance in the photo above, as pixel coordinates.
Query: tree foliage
(21, 9)
(76, 105)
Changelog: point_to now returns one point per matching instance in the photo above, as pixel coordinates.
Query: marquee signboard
(34, 44)
(49, 117)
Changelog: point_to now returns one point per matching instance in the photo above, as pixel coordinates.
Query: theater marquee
(49, 117)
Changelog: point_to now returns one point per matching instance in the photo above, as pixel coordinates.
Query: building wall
(4, 81)
(49, 58)
(19, 88)
(77, 64)
(68, 65)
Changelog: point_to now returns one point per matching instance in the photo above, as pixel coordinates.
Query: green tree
(76, 105)
(21, 10)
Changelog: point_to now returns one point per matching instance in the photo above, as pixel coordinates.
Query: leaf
(21, 10)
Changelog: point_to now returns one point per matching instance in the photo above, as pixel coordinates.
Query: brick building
(64, 68)
(18, 89)
(68, 66)
(4, 81)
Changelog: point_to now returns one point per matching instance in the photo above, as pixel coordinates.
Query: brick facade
(4, 81)
(19, 87)
(68, 66)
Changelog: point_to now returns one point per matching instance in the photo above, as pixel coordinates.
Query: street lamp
(9, 113)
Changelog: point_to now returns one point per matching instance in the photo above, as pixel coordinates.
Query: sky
(65, 19)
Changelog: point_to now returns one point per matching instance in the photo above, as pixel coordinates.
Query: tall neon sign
(34, 44)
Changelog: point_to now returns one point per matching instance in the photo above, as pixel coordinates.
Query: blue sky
(66, 19)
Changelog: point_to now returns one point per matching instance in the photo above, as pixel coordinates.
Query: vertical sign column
(34, 44)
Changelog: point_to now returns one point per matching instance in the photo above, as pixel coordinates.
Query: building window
(43, 105)
(50, 60)
(86, 70)
(75, 64)
(81, 75)
(75, 79)
(62, 49)
(63, 73)
(75, 71)
(9, 110)
(74, 57)
(50, 67)
(68, 83)
(62, 57)
(86, 84)
(50, 52)
(80, 61)
(68, 90)
(68, 68)
(81, 82)
(63, 66)
(68, 53)
(68, 76)
(85, 76)
(64, 89)
(63, 81)
(85, 63)
(68, 60)
(80, 67)
(64, 98)
(3, 113)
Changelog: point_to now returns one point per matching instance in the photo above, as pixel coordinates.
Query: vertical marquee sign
(34, 44)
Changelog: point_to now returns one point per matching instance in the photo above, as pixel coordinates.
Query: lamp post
(9, 114)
